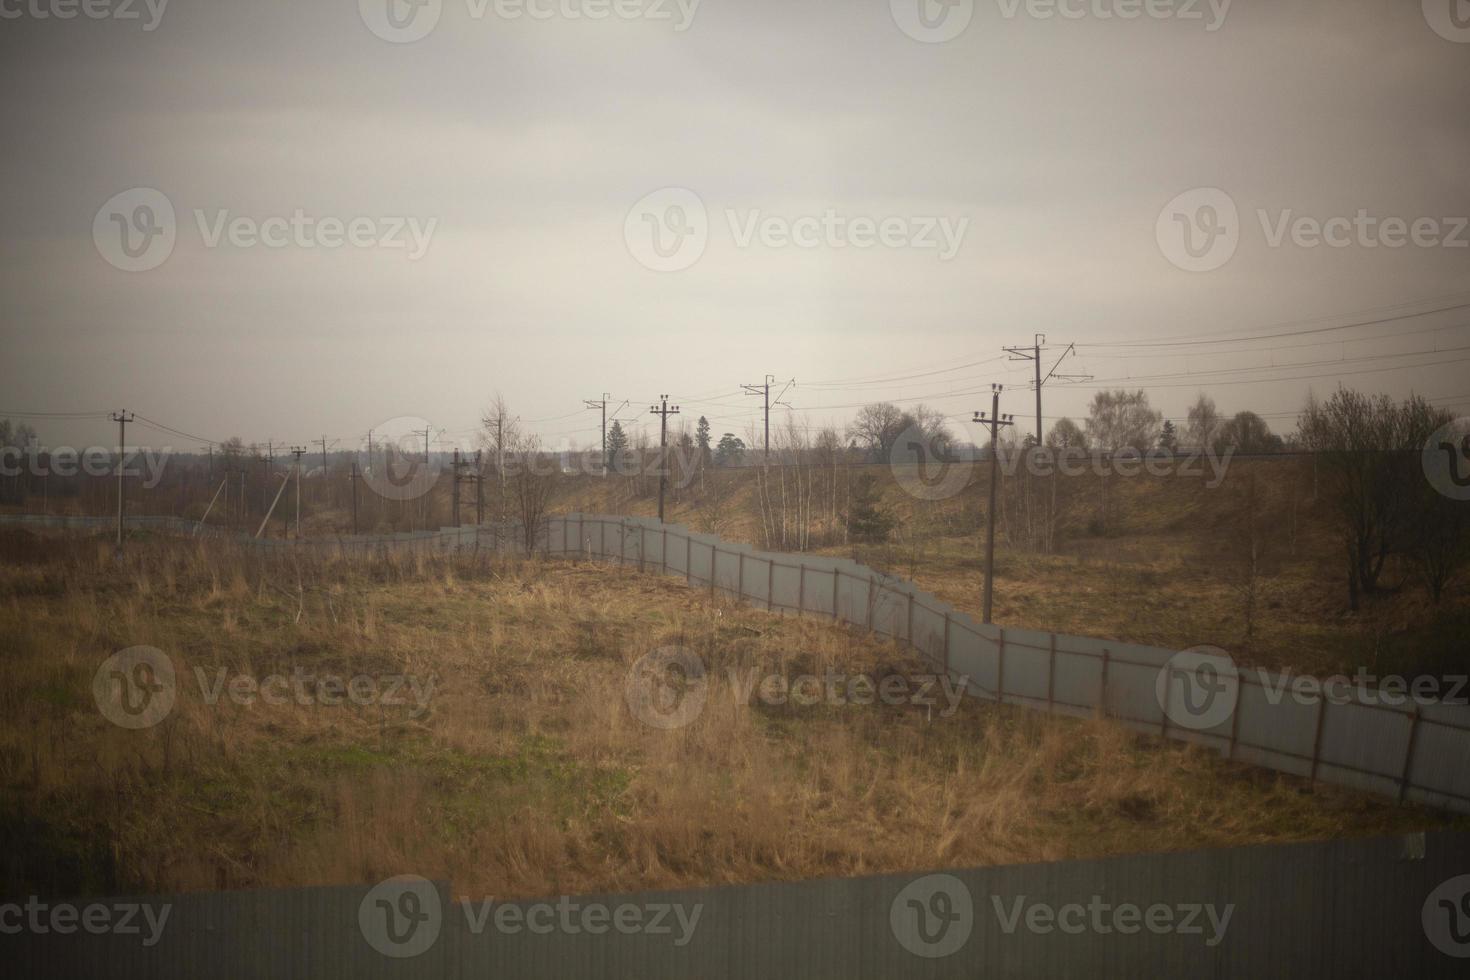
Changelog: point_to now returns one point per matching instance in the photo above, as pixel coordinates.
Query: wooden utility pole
(663, 437)
(995, 420)
(122, 419)
(298, 452)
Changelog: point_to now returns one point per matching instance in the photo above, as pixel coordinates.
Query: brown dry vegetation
(1163, 568)
(528, 775)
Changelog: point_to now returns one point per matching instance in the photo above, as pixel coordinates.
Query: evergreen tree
(701, 438)
(617, 442)
(867, 519)
(1168, 438)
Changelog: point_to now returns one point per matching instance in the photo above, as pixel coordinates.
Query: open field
(1142, 559)
(523, 771)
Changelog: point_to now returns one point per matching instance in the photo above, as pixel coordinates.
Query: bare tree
(1368, 451)
(1122, 420)
(1204, 423)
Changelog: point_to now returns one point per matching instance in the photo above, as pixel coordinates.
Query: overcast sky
(1021, 172)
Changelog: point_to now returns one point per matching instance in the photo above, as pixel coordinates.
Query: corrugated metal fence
(1380, 907)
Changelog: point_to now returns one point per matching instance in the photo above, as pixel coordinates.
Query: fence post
(835, 592)
(688, 559)
(1000, 668)
(1168, 699)
(663, 551)
(1404, 782)
(1051, 676)
(1102, 697)
(910, 634)
(946, 641)
(1317, 740)
(770, 584)
(1234, 726)
(800, 590)
(714, 564)
(740, 575)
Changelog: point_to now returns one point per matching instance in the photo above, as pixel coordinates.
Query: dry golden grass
(528, 774)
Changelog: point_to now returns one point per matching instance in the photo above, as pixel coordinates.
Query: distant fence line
(1417, 753)
(1369, 907)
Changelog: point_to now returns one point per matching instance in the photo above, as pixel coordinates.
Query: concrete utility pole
(995, 420)
(764, 389)
(354, 478)
(298, 452)
(602, 404)
(1021, 354)
(663, 437)
(326, 484)
(122, 419)
(454, 494)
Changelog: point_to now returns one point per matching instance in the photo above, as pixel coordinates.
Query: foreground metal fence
(1377, 907)
(1415, 751)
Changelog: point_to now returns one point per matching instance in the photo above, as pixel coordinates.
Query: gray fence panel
(1343, 908)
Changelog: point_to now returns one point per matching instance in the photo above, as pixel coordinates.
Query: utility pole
(663, 436)
(1034, 354)
(995, 420)
(298, 452)
(354, 478)
(479, 490)
(454, 496)
(602, 404)
(122, 419)
(270, 461)
(764, 389)
(326, 484)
